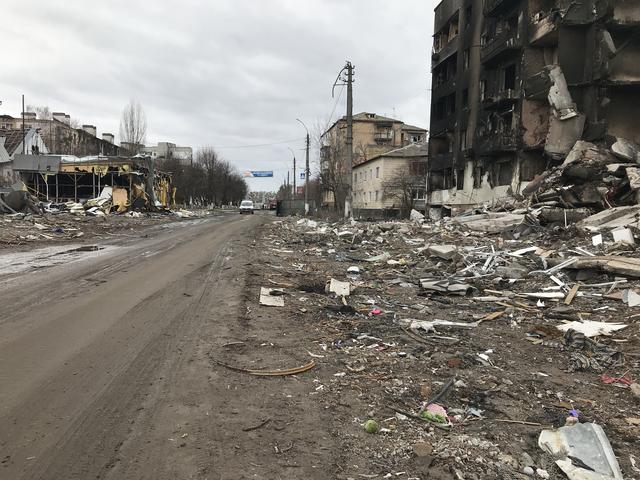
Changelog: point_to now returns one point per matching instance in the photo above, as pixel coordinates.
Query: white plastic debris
(591, 328)
(596, 240)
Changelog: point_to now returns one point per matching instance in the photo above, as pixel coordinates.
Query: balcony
(445, 52)
(440, 161)
(502, 97)
(543, 31)
(491, 7)
(444, 89)
(383, 137)
(446, 123)
(505, 42)
(497, 143)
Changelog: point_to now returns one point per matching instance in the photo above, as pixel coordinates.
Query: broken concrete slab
(490, 222)
(628, 266)
(588, 152)
(626, 150)
(624, 236)
(341, 289)
(612, 218)
(416, 216)
(631, 298)
(559, 96)
(582, 451)
(563, 135)
(271, 297)
(446, 252)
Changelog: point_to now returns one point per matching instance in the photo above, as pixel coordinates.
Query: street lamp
(294, 171)
(306, 172)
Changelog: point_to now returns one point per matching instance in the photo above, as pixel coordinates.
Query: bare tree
(133, 125)
(401, 187)
(42, 111)
(333, 167)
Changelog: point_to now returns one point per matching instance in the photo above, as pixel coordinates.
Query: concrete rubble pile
(591, 176)
(26, 220)
(472, 347)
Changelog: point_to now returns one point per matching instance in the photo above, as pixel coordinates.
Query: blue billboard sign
(258, 173)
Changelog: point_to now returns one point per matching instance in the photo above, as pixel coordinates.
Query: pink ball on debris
(376, 311)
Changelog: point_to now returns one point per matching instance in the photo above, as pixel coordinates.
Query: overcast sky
(224, 73)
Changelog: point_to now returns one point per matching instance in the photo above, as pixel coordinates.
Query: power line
(257, 145)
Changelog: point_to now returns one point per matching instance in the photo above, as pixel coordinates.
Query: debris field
(495, 344)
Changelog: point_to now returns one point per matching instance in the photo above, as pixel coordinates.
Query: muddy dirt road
(106, 366)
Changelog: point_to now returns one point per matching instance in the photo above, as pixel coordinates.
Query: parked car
(246, 206)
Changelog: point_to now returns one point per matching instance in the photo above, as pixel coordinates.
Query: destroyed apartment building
(116, 184)
(517, 84)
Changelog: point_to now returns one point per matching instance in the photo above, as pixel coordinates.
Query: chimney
(67, 119)
(29, 115)
(108, 137)
(59, 116)
(91, 129)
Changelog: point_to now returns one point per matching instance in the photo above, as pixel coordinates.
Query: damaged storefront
(546, 75)
(110, 184)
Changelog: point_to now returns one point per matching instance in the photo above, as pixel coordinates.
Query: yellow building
(373, 135)
(392, 183)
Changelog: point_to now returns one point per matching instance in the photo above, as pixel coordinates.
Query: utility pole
(294, 172)
(348, 81)
(24, 146)
(347, 201)
(306, 171)
(306, 179)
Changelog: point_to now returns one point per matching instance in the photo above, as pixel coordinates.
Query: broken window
(463, 140)
(483, 89)
(447, 178)
(453, 29)
(437, 43)
(465, 59)
(478, 174)
(468, 14)
(504, 173)
(509, 77)
(451, 104)
(460, 180)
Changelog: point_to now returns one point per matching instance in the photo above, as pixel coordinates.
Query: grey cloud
(223, 72)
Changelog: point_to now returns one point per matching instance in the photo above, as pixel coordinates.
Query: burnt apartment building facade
(515, 83)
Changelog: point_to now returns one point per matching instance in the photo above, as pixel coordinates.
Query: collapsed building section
(130, 183)
(516, 83)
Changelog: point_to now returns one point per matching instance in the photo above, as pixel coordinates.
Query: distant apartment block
(61, 137)
(515, 83)
(373, 135)
(167, 150)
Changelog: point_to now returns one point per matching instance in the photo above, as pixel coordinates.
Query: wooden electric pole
(348, 200)
(306, 171)
(347, 71)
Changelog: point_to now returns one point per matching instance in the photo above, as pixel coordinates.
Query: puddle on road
(17, 262)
